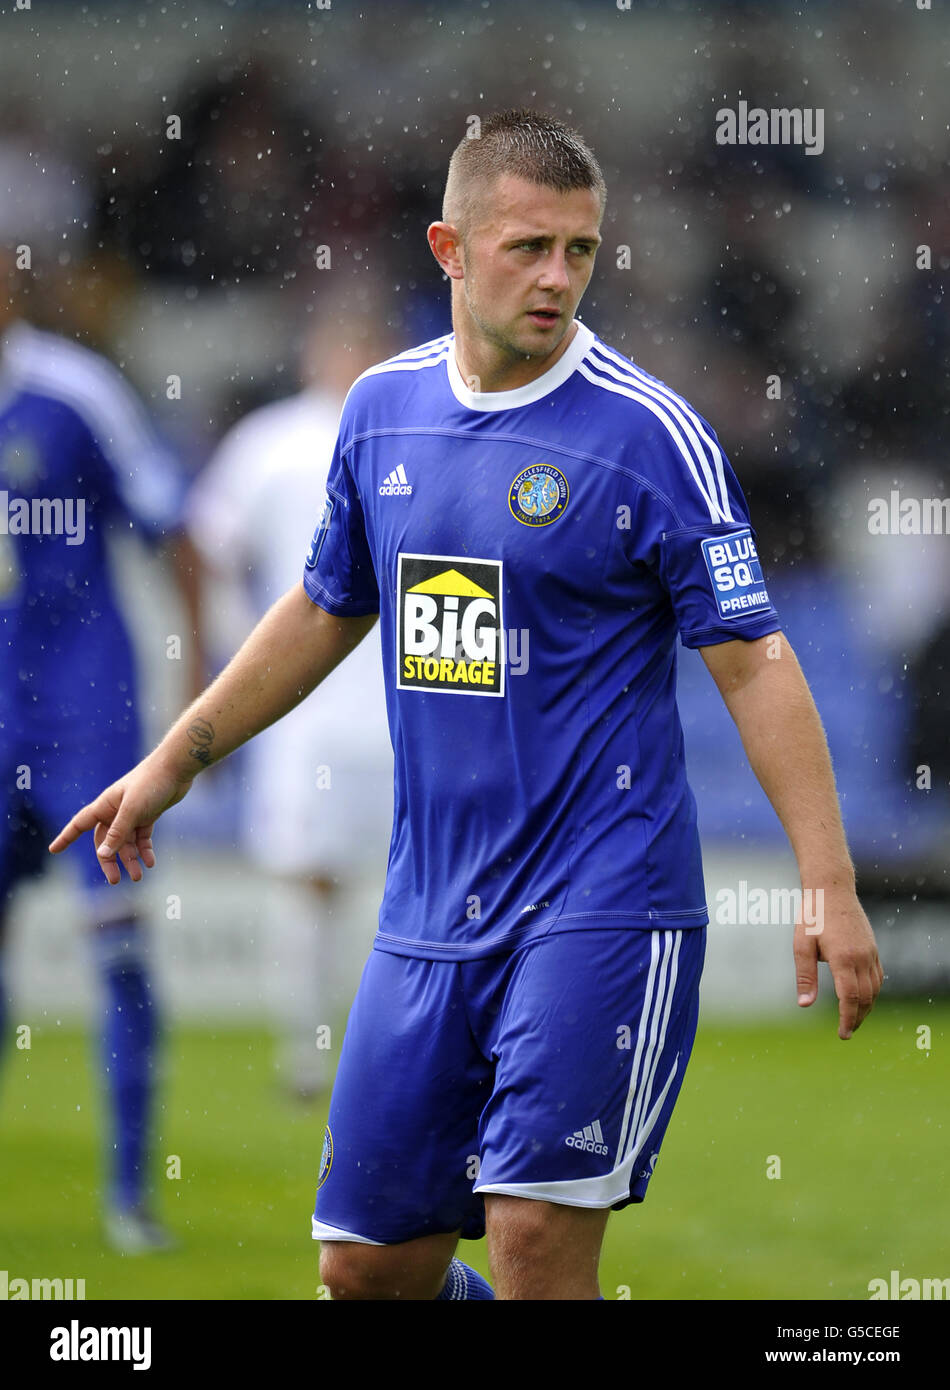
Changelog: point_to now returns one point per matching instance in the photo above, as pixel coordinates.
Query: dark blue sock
(129, 1039)
(463, 1282)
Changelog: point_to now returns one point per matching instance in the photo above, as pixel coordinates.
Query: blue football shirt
(533, 554)
(79, 461)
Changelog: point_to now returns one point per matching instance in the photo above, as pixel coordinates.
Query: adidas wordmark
(590, 1139)
(396, 484)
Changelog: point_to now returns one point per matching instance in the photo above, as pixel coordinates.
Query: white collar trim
(522, 395)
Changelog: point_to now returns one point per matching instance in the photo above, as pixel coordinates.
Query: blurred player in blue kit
(520, 480)
(79, 461)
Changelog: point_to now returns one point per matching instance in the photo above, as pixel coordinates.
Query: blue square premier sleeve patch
(736, 575)
(320, 535)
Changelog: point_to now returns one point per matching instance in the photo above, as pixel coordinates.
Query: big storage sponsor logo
(736, 575)
(449, 625)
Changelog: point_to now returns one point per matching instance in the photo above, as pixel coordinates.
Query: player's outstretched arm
(766, 693)
(292, 649)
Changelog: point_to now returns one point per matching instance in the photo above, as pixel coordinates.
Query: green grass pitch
(860, 1129)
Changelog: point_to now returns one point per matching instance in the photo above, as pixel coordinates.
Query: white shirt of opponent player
(320, 780)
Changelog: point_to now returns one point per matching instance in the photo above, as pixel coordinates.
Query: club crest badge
(538, 495)
(326, 1158)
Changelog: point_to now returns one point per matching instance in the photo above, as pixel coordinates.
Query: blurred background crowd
(227, 200)
(219, 193)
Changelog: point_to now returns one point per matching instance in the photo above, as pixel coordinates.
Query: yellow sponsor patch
(449, 625)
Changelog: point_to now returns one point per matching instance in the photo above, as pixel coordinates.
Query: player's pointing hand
(123, 817)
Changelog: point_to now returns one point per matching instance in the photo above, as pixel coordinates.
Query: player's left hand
(835, 929)
(123, 817)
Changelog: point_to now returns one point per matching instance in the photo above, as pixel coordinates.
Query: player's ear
(446, 245)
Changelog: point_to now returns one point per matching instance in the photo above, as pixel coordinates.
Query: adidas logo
(648, 1171)
(396, 485)
(590, 1139)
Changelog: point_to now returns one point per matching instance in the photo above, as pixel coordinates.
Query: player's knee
(351, 1271)
(345, 1270)
(521, 1224)
(543, 1249)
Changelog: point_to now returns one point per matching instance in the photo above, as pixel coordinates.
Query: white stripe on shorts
(608, 1188)
(320, 1231)
(637, 1124)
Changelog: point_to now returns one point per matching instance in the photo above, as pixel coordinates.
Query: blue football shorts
(548, 1072)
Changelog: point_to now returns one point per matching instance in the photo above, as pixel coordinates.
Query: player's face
(527, 261)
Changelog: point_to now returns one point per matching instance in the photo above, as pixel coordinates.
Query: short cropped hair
(526, 144)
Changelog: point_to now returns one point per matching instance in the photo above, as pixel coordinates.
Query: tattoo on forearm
(202, 735)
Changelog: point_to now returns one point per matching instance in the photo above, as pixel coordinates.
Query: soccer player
(523, 1025)
(317, 812)
(79, 460)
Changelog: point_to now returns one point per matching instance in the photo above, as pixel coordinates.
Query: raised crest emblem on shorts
(326, 1158)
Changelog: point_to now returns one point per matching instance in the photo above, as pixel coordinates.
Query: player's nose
(554, 274)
